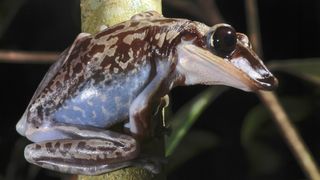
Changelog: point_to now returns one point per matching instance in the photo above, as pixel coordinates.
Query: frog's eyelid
(244, 40)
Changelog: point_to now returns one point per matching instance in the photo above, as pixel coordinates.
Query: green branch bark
(94, 15)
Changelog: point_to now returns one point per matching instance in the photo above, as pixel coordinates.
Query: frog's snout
(245, 59)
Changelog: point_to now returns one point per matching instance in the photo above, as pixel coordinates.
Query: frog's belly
(102, 106)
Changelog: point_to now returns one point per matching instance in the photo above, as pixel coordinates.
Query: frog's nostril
(268, 83)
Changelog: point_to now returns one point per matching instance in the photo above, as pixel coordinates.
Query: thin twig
(253, 25)
(289, 132)
(27, 57)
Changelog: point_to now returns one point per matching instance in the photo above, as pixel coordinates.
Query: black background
(290, 29)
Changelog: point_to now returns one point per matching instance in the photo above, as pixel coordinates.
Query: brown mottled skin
(111, 57)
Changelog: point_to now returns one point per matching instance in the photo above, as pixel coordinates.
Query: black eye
(223, 40)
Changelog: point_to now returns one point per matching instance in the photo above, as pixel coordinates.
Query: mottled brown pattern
(107, 148)
(85, 43)
(109, 31)
(38, 147)
(118, 144)
(81, 145)
(73, 162)
(135, 23)
(74, 71)
(56, 145)
(78, 68)
(67, 146)
(128, 148)
(96, 49)
(49, 147)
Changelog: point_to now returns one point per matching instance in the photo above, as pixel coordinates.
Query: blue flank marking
(125, 89)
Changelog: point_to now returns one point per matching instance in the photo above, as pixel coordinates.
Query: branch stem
(253, 25)
(291, 135)
(7, 56)
(97, 13)
(94, 15)
(289, 132)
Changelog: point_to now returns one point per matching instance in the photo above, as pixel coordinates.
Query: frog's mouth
(242, 69)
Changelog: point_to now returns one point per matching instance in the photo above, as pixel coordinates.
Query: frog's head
(224, 57)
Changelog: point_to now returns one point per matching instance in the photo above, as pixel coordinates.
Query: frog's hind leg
(88, 151)
(89, 157)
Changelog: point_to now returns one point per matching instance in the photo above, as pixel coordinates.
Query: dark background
(290, 29)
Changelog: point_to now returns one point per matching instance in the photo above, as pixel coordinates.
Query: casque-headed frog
(118, 76)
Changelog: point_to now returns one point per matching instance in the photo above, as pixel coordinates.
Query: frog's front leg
(88, 151)
(142, 107)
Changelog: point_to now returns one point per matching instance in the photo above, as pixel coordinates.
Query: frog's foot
(87, 152)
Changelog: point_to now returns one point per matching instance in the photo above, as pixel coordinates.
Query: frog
(117, 77)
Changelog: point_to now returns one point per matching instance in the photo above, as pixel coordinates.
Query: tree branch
(291, 135)
(8, 56)
(271, 102)
(95, 14)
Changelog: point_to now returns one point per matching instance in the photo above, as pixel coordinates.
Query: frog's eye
(222, 40)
